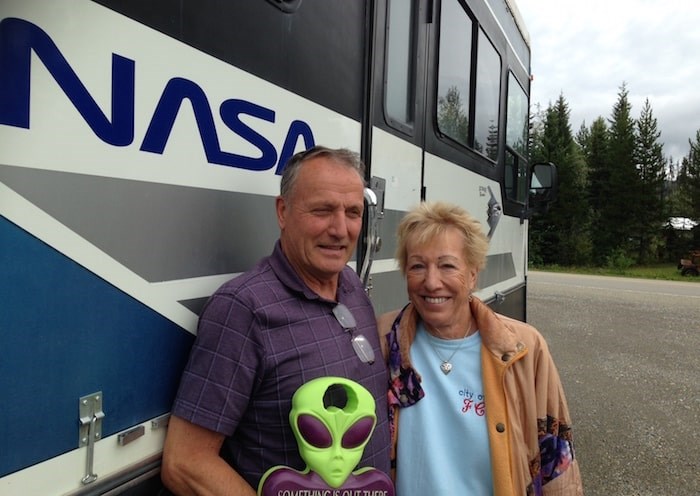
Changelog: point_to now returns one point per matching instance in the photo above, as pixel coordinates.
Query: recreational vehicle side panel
(140, 156)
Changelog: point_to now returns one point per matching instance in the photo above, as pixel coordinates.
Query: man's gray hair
(340, 155)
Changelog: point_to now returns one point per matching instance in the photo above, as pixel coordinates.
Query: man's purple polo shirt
(261, 336)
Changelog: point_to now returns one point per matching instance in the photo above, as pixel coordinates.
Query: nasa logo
(18, 38)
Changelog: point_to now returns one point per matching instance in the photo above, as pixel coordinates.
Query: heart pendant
(446, 367)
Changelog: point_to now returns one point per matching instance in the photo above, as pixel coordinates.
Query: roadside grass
(668, 272)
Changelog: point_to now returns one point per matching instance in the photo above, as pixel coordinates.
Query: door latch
(91, 415)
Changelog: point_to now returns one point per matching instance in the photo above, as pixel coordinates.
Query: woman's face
(439, 282)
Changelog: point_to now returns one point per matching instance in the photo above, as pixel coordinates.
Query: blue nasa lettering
(19, 37)
(17, 40)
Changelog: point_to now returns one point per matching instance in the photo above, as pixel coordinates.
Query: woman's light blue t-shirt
(443, 445)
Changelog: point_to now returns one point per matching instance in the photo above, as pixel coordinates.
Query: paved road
(628, 351)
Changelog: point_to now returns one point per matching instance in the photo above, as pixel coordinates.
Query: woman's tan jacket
(528, 419)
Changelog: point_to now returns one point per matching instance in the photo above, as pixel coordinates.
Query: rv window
(516, 141)
(399, 66)
(517, 118)
(488, 88)
(454, 72)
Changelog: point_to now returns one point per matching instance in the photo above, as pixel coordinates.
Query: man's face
(321, 220)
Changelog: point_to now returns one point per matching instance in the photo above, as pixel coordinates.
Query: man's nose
(338, 224)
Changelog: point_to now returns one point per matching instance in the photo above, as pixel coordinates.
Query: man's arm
(192, 465)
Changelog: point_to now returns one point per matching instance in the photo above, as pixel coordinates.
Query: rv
(141, 147)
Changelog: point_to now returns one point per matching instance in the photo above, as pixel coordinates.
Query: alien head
(332, 419)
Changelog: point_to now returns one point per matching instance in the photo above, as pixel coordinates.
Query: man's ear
(281, 209)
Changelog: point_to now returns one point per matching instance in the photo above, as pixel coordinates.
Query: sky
(585, 50)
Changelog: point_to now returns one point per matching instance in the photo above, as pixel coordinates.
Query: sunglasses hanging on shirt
(363, 348)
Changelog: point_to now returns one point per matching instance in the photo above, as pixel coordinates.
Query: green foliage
(616, 191)
(649, 209)
(616, 225)
(562, 235)
(689, 178)
(595, 144)
(619, 260)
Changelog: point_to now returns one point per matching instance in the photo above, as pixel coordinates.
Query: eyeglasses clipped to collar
(363, 348)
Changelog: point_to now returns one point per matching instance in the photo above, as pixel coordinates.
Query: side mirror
(544, 187)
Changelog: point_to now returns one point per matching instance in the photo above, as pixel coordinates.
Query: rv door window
(400, 66)
(488, 89)
(454, 72)
(516, 142)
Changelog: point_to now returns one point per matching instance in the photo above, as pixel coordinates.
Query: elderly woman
(481, 404)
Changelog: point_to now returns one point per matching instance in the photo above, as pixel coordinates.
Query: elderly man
(299, 314)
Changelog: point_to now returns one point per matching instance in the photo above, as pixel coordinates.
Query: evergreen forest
(618, 193)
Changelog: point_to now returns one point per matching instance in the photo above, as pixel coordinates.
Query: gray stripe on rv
(161, 232)
(499, 267)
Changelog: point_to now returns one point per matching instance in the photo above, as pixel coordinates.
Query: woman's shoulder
(385, 321)
(523, 331)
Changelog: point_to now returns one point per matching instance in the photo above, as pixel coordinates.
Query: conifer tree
(562, 234)
(649, 210)
(689, 183)
(596, 150)
(683, 207)
(537, 233)
(674, 244)
(537, 118)
(582, 137)
(693, 177)
(614, 227)
(594, 143)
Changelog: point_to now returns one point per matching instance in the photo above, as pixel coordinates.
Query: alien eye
(314, 431)
(358, 433)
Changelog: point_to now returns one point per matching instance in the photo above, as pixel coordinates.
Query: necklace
(446, 365)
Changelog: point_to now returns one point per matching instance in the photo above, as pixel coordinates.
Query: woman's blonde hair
(429, 219)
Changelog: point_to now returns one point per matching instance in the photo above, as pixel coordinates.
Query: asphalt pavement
(628, 353)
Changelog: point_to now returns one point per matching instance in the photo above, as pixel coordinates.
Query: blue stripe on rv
(66, 333)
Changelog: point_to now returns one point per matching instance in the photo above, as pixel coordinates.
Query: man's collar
(290, 278)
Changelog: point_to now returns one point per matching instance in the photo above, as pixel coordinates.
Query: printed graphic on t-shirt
(472, 403)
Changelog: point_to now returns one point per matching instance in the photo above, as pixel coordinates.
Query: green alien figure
(332, 419)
